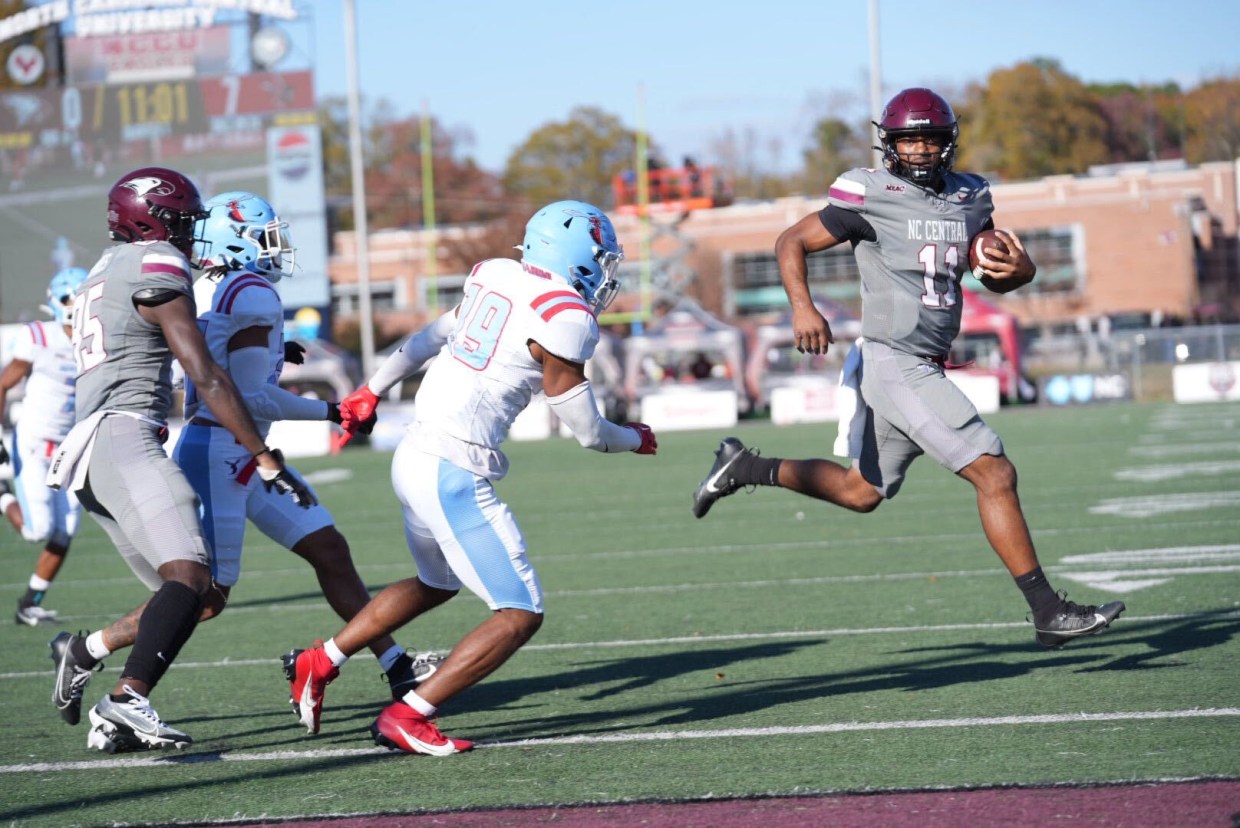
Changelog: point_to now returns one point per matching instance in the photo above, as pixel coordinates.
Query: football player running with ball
(523, 327)
(909, 225)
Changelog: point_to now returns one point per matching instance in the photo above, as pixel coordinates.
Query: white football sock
(95, 646)
(337, 656)
(419, 704)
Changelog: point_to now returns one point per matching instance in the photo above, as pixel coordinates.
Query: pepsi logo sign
(294, 153)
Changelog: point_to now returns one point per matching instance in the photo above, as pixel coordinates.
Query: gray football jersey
(123, 361)
(910, 276)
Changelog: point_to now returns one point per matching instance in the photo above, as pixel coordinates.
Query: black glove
(4, 453)
(294, 352)
(368, 424)
(285, 482)
(333, 413)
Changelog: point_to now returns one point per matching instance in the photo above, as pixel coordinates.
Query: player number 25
(87, 329)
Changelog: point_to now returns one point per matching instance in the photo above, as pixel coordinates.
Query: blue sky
(500, 69)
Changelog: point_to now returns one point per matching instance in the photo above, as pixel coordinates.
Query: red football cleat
(308, 673)
(400, 727)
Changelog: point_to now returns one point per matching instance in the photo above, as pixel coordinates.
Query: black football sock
(32, 598)
(166, 624)
(1042, 599)
(752, 470)
(77, 648)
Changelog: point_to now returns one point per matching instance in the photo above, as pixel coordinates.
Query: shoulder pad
(246, 294)
(568, 328)
(849, 191)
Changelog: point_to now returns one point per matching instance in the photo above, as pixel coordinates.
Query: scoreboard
(118, 113)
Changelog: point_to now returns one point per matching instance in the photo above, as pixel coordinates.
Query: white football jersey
(484, 376)
(241, 300)
(47, 410)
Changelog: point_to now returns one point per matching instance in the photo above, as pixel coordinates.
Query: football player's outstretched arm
(249, 365)
(572, 399)
(810, 328)
(359, 407)
(1004, 272)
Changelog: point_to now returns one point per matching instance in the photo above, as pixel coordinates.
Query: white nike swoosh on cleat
(424, 747)
(714, 478)
(306, 708)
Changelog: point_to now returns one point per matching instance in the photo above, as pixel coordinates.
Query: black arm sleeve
(846, 225)
(153, 297)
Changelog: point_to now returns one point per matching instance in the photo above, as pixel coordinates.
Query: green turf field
(779, 646)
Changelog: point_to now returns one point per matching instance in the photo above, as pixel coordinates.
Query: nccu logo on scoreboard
(294, 153)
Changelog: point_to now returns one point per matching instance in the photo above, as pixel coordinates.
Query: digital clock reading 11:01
(128, 111)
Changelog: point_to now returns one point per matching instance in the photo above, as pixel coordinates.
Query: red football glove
(359, 406)
(649, 444)
(357, 413)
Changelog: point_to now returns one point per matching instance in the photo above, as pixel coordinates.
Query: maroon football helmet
(154, 203)
(912, 112)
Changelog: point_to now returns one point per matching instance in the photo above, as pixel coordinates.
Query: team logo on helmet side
(596, 229)
(596, 224)
(145, 186)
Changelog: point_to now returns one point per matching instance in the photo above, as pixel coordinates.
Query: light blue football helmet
(241, 231)
(577, 242)
(60, 293)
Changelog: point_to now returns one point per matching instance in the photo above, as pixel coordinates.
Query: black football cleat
(410, 670)
(1076, 621)
(71, 678)
(720, 482)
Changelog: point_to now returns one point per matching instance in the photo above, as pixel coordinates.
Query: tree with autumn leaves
(1034, 119)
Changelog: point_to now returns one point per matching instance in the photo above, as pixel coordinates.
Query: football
(985, 239)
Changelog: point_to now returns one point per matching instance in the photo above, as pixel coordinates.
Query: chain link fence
(1145, 356)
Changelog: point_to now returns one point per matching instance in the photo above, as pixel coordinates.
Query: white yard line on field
(155, 761)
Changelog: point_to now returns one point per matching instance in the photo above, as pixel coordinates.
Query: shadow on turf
(726, 688)
(722, 698)
(1167, 638)
(133, 797)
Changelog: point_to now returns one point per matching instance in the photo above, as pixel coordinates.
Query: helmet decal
(148, 185)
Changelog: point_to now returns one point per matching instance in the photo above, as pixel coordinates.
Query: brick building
(1135, 239)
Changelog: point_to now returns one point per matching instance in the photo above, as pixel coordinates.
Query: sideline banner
(1206, 382)
(1081, 389)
